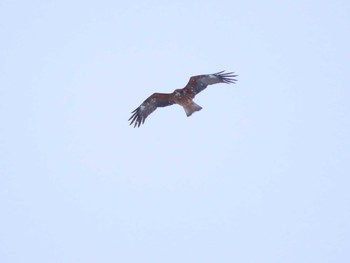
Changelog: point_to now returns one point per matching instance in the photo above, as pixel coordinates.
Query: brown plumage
(183, 97)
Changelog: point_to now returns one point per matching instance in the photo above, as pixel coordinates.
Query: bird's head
(178, 92)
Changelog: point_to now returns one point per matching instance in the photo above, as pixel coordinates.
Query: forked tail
(193, 107)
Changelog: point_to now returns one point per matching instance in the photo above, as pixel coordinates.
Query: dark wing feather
(154, 101)
(198, 83)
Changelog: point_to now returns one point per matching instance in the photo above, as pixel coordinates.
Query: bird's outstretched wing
(198, 83)
(154, 101)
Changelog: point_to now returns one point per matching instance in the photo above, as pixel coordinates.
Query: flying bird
(183, 97)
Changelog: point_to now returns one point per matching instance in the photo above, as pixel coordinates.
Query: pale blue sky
(261, 174)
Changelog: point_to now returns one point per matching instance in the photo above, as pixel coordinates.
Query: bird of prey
(183, 97)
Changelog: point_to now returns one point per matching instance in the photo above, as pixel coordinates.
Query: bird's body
(183, 97)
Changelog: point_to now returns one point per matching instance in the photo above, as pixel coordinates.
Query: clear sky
(261, 174)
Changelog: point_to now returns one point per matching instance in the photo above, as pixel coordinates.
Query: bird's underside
(183, 97)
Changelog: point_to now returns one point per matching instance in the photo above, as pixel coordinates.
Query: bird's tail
(193, 107)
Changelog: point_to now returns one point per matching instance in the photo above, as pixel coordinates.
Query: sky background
(261, 174)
